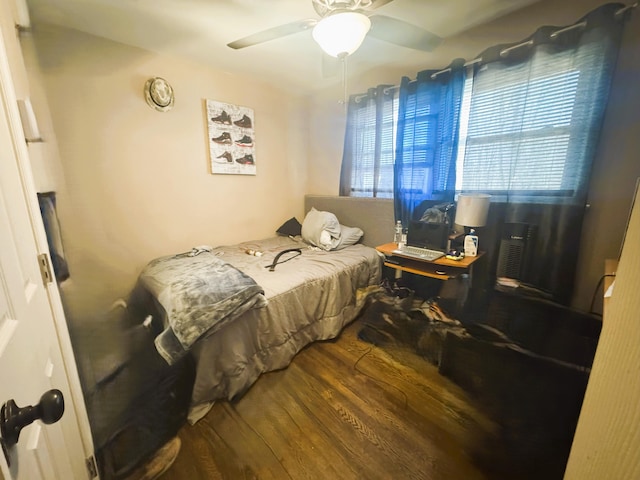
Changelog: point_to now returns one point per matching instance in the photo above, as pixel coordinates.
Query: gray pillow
(349, 236)
(321, 229)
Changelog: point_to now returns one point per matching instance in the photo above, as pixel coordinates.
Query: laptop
(425, 241)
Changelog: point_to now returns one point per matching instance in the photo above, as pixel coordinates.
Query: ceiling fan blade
(273, 33)
(402, 33)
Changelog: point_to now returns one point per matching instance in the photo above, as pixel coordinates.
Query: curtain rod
(560, 31)
(624, 9)
(504, 52)
(580, 25)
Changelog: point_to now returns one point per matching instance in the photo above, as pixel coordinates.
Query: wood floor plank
(393, 419)
(343, 409)
(290, 416)
(288, 434)
(420, 381)
(351, 443)
(240, 437)
(195, 460)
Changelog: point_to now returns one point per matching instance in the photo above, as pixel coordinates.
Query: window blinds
(530, 126)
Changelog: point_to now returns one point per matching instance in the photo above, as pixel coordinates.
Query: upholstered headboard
(373, 215)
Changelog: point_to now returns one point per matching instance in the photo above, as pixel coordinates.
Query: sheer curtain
(531, 135)
(367, 162)
(427, 138)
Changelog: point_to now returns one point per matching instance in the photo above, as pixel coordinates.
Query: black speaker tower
(516, 246)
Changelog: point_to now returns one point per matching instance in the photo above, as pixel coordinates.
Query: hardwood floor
(343, 409)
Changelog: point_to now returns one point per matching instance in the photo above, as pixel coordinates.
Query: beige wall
(136, 182)
(327, 126)
(615, 172)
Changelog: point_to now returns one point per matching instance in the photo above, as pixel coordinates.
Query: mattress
(311, 295)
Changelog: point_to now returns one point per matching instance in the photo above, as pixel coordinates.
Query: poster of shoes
(231, 138)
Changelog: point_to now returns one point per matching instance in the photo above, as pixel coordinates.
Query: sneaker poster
(231, 138)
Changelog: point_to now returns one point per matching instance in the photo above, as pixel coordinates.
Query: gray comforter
(199, 295)
(311, 297)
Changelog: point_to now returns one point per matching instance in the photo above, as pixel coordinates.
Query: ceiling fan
(343, 26)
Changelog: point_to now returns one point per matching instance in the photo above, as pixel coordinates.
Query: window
(524, 128)
(419, 141)
(520, 144)
(370, 143)
(428, 124)
(528, 127)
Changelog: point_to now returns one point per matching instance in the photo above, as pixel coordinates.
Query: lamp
(472, 211)
(341, 33)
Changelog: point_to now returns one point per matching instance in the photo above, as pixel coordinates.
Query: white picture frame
(231, 131)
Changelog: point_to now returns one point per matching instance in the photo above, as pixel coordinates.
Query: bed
(310, 294)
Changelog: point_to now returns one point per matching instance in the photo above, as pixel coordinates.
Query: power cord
(377, 380)
(595, 292)
(277, 261)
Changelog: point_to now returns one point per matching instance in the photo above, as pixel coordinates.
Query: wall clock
(159, 94)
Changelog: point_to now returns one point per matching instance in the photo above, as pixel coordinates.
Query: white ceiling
(201, 29)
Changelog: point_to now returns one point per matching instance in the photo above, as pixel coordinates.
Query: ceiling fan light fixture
(341, 33)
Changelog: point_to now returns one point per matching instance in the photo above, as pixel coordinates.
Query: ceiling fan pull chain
(343, 59)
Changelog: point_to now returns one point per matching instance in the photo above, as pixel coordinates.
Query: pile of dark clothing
(395, 316)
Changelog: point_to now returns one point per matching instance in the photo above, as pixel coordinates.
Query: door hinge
(45, 268)
(92, 468)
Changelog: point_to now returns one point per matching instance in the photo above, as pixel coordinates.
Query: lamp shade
(341, 33)
(472, 209)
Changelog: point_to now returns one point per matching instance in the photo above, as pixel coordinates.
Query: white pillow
(321, 229)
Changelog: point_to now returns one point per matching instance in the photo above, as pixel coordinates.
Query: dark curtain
(367, 162)
(48, 210)
(427, 138)
(520, 121)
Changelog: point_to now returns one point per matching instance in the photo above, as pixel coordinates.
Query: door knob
(13, 418)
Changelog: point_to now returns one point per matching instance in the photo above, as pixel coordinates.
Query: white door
(31, 361)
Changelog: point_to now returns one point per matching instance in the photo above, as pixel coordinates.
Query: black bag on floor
(136, 402)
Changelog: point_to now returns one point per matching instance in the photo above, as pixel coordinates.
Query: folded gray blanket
(200, 295)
